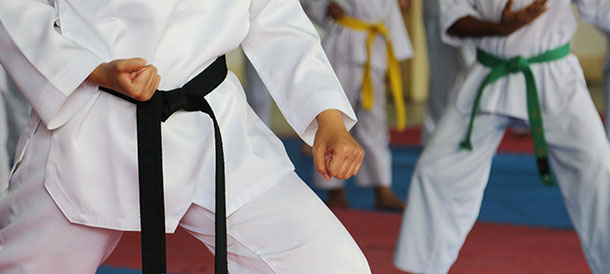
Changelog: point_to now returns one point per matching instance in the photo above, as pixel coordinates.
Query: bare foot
(385, 199)
(336, 199)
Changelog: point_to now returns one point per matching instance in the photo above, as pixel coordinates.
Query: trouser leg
(35, 237)
(580, 158)
(372, 133)
(446, 192)
(445, 73)
(286, 230)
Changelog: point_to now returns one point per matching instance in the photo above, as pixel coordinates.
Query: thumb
(508, 7)
(319, 160)
(129, 65)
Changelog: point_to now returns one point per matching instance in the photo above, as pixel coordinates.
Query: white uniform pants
(448, 67)
(448, 183)
(371, 131)
(285, 230)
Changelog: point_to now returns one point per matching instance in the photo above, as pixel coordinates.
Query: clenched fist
(335, 152)
(132, 77)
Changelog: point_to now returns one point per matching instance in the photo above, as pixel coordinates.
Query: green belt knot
(501, 68)
(517, 64)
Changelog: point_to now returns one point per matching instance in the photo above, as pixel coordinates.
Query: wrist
(331, 118)
(97, 76)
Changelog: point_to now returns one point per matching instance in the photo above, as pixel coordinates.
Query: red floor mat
(512, 142)
(489, 248)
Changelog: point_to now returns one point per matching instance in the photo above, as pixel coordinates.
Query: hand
(514, 20)
(334, 10)
(405, 5)
(335, 152)
(132, 77)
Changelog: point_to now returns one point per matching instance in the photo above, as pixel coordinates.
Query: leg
(285, 230)
(35, 237)
(373, 134)
(446, 192)
(445, 71)
(580, 157)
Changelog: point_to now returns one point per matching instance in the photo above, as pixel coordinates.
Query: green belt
(501, 68)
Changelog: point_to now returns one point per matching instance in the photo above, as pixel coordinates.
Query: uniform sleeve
(398, 32)
(595, 12)
(285, 49)
(46, 67)
(316, 10)
(451, 11)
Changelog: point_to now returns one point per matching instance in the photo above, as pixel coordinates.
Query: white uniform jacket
(50, 47)
(348, 46)
(556, 80)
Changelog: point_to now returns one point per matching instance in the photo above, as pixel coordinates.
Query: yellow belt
(393, 68)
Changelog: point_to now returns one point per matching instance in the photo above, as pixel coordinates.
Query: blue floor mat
(514, 194)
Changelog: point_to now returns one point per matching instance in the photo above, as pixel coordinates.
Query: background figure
(607, 88)
(448, 66)
(346, 50)
(450, 177)
(257, 94)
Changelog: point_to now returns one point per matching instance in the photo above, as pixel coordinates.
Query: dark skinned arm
(510, 22)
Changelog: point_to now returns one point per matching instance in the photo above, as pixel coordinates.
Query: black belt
(150, 114)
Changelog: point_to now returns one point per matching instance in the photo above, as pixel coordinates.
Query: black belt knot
(178, 99)
(149, 115)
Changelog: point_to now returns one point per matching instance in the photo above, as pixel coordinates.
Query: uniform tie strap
(150, 115)
(501, 68)
(393, 66)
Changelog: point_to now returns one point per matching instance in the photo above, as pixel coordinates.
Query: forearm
(472, 27)
(330, 119)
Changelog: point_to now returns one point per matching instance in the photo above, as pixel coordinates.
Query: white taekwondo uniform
(16, 112)
(85, 139)
(4, 154)
(257, 94)
(448, 68)
(346, 50)
(448, 183)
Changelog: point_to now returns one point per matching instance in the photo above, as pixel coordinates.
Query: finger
(335, 164)
(319, 160)
(357, 163)
(157, 82)
(345, 169)
(508, 7)
(139, 88)
(129, 65)
(150, 87)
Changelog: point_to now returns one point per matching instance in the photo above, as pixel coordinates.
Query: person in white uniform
(75, 186)
(606, 87)
(448, 182)
(346, 50)
(448, 67)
